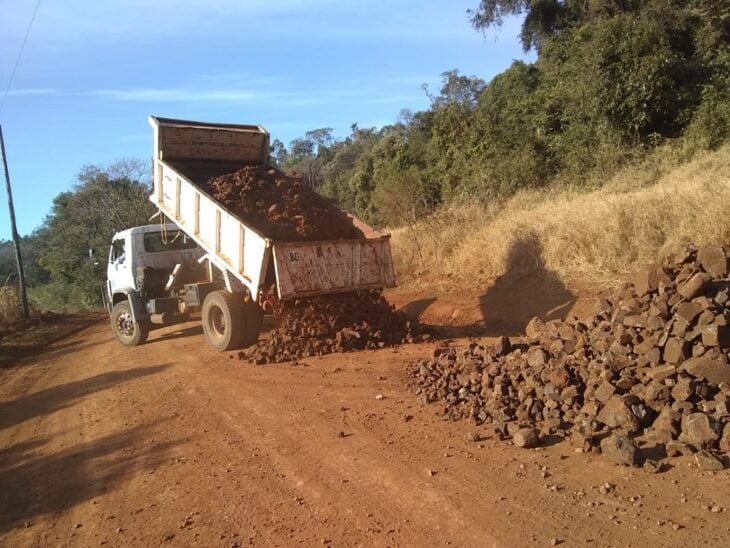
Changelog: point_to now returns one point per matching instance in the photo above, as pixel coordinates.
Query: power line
(20, 54)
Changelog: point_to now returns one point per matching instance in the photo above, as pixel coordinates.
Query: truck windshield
(174, 240)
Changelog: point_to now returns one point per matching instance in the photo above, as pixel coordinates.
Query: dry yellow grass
(9, 304)
(638, 217)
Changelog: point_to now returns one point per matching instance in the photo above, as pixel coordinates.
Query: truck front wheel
(129, 332)
(224, 321)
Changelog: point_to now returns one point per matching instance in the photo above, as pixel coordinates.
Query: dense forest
(613, 81)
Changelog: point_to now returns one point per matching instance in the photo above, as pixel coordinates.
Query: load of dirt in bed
(280, 206)
(333, 323)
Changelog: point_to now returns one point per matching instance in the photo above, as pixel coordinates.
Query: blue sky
(93, 70)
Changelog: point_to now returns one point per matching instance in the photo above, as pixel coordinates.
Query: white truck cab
(151, 246)
(143, 264)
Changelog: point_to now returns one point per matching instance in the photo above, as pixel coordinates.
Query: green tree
(348, 175)
(278, 154)
(308, 155)
(34, 273)
(453, 133)
(104, 201)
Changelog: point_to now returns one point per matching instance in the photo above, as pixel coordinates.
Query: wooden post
(14, 230)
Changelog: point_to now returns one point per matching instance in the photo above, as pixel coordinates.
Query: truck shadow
(35, 484)
(53, 399)
(168, 335)
(526, 290)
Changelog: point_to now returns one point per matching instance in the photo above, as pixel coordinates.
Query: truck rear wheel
(224, 321)
(128, 331)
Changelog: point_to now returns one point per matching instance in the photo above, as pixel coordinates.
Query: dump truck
(200, 257)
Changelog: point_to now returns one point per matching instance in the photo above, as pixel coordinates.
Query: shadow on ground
(527, 289)
(43, 332)
(177, 334)
(32, 485)
(58, 397)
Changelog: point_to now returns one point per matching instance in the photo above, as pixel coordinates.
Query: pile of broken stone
(648, 373)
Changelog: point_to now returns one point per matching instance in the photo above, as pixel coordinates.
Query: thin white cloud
(33, 91)
(180, 95)
(229, 88)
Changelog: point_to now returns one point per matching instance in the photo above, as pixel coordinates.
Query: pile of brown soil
(333, 323)
(281, 207)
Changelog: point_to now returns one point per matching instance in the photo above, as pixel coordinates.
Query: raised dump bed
(188, 154)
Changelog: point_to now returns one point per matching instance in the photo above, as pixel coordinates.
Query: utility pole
(13, 228)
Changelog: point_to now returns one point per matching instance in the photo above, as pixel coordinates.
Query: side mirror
(92, 257)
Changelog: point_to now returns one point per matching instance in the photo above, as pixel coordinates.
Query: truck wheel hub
(217, 321)
(125, 324)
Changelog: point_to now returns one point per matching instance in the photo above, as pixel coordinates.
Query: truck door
(120, 271)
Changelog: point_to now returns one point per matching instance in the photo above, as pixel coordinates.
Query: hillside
(489, 267)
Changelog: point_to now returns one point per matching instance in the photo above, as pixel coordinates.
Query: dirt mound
(333, 323)
(649, 368)
(280, 206)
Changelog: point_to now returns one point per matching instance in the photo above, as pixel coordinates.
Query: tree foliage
(612, 80)
(104, 201)
(35, 274)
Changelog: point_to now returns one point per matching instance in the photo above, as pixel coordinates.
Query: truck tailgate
(317, 268)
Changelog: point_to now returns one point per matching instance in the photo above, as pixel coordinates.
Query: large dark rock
(699, 430)
(714, 260)
(526, 438)
(620, 449)
(708, 368)
(616, 414)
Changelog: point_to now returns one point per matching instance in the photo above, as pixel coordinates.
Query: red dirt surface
(172, 443)
(281, 207)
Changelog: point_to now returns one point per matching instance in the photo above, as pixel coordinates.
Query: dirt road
(171, 443)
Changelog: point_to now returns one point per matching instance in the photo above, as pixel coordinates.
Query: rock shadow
(526, 289)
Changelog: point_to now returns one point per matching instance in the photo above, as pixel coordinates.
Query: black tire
(254, 320)
(224, 320)
(128, 332)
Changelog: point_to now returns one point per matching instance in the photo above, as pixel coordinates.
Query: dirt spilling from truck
(333, 323)
(280, 206)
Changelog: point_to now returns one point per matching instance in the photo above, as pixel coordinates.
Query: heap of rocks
(650, 366)
(333, 323)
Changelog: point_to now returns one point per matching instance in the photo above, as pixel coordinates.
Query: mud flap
(136, 306)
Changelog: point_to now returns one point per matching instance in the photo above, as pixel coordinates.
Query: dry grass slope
(638, 217)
